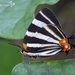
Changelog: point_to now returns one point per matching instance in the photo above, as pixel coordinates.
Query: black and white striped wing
(43, 35)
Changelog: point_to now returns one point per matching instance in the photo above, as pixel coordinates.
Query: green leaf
(8, 57)
(15, 18)
(57, 67)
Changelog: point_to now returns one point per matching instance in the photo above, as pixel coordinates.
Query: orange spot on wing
(33, 58)
(65, 43)
(25, 46)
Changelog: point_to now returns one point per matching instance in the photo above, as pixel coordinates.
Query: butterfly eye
(21, 51)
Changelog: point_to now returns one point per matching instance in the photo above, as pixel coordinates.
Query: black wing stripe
(57, 31)
(41, 49)
(48, 19)
(33, 28)
(51, 16)
(41, 18)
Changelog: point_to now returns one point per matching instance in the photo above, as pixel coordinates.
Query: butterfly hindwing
(43, 34)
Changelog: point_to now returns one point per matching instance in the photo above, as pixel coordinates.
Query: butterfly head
(24, 50)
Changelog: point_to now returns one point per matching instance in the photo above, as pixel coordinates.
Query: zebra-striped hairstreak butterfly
(45, 36)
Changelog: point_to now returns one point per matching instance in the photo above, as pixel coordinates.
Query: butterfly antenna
(12, 43)
(72, 37)
(18, 51)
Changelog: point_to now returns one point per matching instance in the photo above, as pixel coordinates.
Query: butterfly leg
(28, 59)
(23, 58)
(42, 59)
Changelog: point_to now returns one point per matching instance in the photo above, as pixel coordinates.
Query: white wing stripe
(44, 53)
(50, 31)
(41, 36)
(49, 48)
(40, 45)
(46, 17)
(31, 34)
(38, 23)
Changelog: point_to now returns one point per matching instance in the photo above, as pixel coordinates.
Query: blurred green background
(65, 12)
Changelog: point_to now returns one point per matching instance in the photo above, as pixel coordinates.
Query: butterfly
(45, 36)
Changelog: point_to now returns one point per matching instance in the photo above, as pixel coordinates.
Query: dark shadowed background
(65, 12)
